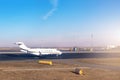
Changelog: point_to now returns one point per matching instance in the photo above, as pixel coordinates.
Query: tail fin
(22, 45)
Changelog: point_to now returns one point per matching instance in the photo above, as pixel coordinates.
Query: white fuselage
(44, 51)
(38, 51)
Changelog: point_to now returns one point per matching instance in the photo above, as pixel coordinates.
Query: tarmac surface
(8, 56)
(67, 58)
(95, 66)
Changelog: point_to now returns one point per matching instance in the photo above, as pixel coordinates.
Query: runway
(66, 58)
(9, 56)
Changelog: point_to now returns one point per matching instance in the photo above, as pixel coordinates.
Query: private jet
(38, 51)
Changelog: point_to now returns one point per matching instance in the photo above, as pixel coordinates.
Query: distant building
(110, 47)
(75, 49)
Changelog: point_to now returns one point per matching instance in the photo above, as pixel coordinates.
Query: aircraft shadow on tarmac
(23, 56)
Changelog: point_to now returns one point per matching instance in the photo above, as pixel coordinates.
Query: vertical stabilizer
(22, 45)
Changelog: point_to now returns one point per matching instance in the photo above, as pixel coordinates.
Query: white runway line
(44, 69)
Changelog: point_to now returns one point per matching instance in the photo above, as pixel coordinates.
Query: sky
(60, 23)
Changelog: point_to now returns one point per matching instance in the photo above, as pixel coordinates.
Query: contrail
(50, 13)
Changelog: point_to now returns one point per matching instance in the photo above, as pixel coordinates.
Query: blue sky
(60, 23)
